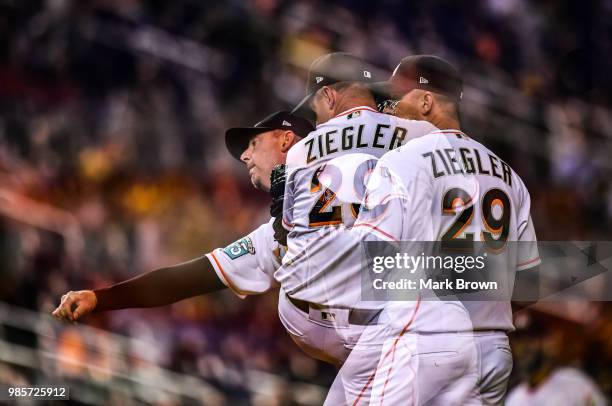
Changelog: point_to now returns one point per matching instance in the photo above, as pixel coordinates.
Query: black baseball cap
(427, 72)
(333, 68)
(237, 138)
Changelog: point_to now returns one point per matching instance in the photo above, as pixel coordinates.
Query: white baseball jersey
(565, 386)
(325, 185)
(247, 266)
(451, 187)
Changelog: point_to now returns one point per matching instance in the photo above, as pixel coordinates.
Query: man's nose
(245, 156)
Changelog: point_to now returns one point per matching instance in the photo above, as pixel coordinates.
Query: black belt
(360, 317)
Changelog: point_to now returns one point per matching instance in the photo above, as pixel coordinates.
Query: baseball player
(455, 189)
(325, 180)
(564, 386)
(320, 277)
(245, 266)
(545, 380)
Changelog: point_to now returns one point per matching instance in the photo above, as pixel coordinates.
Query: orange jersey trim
(529, 262)
(390, 351)
(227, 280)
(450, 132)
(376, 229)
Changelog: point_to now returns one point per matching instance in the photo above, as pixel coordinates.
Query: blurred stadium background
(112, 163)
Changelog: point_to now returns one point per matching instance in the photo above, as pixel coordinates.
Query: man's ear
(329, 95)
(426, 104)
(288, 138)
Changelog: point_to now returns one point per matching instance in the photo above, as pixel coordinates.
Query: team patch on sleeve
(239, 248)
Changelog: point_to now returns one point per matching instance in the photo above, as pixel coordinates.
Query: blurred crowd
(112, 160)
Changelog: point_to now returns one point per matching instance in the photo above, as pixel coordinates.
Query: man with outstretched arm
(246, 266)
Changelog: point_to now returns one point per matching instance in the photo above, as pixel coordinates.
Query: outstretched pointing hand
(75, 305)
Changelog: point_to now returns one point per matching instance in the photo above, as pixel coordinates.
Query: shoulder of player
(266, 229)
(262, 237)
(429, 138)
(416, 128)
(404, 155)
(569, 376)
(360, 114)
(257, 242)
(355, 115)
(414, 145)
(297, 152)
(517, 394)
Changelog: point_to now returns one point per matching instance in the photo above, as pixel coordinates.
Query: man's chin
(259, 185)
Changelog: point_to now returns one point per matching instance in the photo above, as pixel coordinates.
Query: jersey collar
(349, 111)
(450, 131)
(354, 109)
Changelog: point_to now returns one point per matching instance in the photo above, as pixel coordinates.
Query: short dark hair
(449, 101)
(356, 87)
(339, 86)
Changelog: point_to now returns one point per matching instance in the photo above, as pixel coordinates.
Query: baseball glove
(277, 192)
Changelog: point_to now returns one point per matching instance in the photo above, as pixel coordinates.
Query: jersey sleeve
(395, 206)
(528, 255)
(247, 266)
(382, 209)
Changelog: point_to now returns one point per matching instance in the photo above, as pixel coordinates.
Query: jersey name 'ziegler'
(445, 162)
(350, 138)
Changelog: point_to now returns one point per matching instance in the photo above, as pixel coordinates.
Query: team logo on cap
(319, 79)
(286, 123)
(423, 80)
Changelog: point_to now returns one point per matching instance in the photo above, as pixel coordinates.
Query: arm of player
(526, 288)
(394, 202)
(527, 278)
(247, 265)
(380, 213)
(156, 288)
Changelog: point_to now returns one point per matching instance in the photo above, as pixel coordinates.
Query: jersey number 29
(497, 225)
